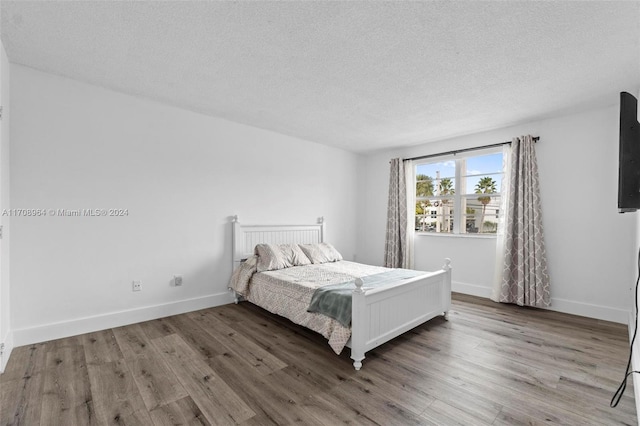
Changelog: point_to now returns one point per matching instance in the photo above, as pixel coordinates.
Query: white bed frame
(378, 314)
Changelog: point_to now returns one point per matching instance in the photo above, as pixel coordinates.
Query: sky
(477, 167)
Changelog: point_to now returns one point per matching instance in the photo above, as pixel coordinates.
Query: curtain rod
(535, 139)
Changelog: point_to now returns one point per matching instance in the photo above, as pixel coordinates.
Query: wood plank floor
(491, 364)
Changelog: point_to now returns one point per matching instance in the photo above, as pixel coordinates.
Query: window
(459, 195)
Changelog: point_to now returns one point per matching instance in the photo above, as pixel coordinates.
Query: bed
(398, 302)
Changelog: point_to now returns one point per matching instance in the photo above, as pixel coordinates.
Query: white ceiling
(357, 75)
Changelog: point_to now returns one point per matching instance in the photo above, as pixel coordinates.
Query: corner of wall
(6, 334)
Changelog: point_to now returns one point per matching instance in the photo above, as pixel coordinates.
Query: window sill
(434, 234)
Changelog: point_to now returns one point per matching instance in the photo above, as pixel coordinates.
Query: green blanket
(334, 300)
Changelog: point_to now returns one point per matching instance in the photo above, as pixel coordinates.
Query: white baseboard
(471, 289)
(606, 313)
(43, 333)
(7, 347)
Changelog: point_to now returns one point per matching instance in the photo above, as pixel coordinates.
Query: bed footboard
(380, 314)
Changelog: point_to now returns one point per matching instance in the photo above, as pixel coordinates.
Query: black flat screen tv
(629, 165)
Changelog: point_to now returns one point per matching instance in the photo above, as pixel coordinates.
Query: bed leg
(236, 296)
(357, 357)
(446, 315)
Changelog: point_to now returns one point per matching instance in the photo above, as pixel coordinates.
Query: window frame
(458, 217)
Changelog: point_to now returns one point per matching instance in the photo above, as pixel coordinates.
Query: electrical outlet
(177, 280)
(137, 286)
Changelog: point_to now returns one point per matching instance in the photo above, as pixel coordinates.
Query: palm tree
(486, 185)
(424, 186)
(446, 188)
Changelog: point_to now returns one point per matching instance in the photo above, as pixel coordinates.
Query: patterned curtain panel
(396, 237)
(525, 278)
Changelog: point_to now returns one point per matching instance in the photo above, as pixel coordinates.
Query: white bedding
(287, 292)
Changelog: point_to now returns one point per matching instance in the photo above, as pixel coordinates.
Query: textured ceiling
(356, 75)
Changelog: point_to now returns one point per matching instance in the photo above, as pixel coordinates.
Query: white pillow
(321, 252)
(272, 257)
(294, 255)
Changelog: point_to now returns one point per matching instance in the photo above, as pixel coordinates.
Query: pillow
(295, 255)
(272, 257)
(321, 252)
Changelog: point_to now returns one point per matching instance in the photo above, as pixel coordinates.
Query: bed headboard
(245, 237)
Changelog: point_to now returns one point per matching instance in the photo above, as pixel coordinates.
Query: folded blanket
(335, 300)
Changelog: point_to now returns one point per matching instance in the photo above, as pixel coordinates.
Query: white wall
(5, 325)
(590, 246)
(633, 314)
(181, 175)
